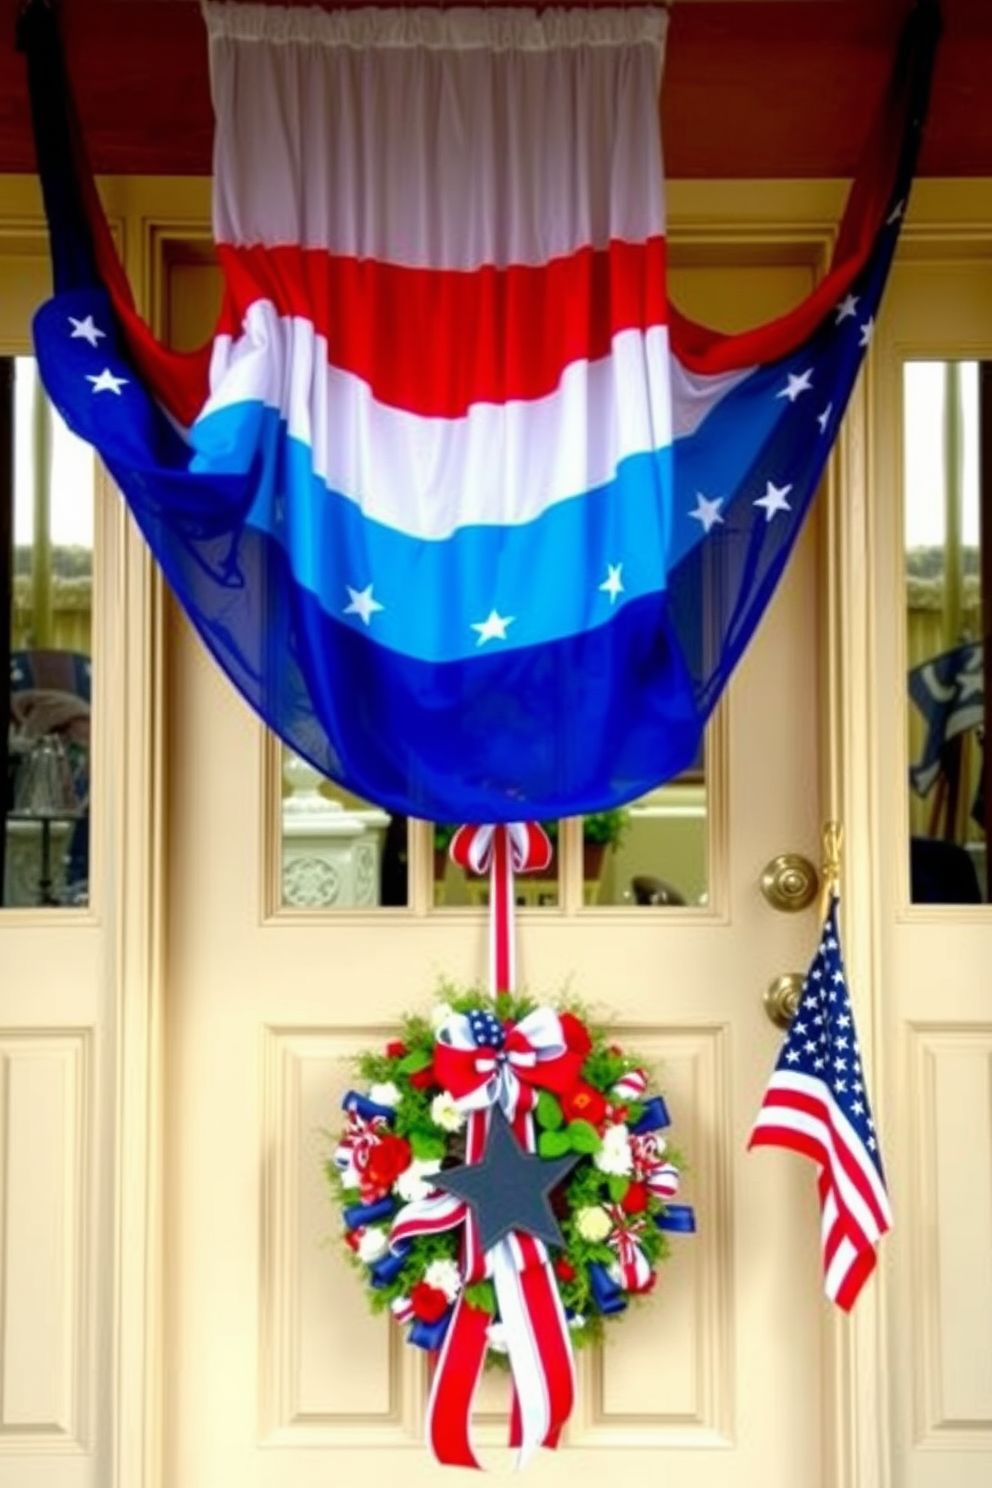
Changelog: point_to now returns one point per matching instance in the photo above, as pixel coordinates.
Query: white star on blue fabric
(847, 307)
(867, 331)
(613, 584)
(106, 382)
(493, 628)
(799, 382)
(969, 684)
(896, 213)
(823, 418)
(362, 604)
(85, 329)
(707, 510)
(774, 500)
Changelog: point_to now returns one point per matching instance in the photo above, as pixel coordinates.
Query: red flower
(635, 1200)
(428, 1303)
(583, 1103)
(396, 1049)
(559, 1202)
(564, 1270)
(390, 1157)
(423, 1079)
(575, 1034)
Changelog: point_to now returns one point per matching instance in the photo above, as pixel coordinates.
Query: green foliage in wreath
(613, 1209)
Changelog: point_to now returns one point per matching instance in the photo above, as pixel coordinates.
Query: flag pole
(833, 838)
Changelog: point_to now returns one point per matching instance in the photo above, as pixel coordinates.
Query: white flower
(496, 1338)
(411, 1184)
(593, 1223)
(576, 1320)
(446, 1277)
(615, 1155)
(440, 1015)
(385, 1094)
(349, 1174)
(373, 1244)
(445, 1112)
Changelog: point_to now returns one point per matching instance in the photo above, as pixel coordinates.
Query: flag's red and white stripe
(799, 1113)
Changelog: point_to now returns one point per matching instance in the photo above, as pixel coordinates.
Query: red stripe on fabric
(857, 1273)
(860, 1265)
(831, 1158)
(473, 1256)
(179, 380)
(450, 1406)
(434, 342)
(807, 1146)
(703, 350)
(516, 1420)
(412, 1227)
(501, 912)
(855, 1163)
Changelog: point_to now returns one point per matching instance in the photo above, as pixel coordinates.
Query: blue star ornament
(508, 1190)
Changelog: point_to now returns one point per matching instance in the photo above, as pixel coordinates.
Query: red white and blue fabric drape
(474, 519)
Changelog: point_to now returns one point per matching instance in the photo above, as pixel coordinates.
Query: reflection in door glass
(653, 852)
(944, 523)
(46, 595)
(459, 888)
(338, 852)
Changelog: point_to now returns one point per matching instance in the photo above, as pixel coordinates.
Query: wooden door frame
(160, 218)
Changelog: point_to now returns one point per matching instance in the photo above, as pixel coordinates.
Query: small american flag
(817, 1104)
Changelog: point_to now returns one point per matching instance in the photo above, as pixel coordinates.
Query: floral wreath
(430, 1097)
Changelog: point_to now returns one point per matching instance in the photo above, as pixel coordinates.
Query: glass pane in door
(945, 538)
(46, 603)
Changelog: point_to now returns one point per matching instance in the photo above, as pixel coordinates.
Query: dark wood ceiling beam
(752, 87)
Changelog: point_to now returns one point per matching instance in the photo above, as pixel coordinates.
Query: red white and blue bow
(632, 1267)
(502, 851)
(509, 1071)
(361, 1134)
(650, 1167)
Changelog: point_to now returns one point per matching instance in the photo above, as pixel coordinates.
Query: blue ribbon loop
(653, 1118)
(388, 1267)
(429, 1336)
(357, 1215)
(608, 1294)
(367, 1109)
(677, 1217)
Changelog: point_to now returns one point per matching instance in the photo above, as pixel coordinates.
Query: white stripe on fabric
(814, 1088)
(446, 159)
(800, 1121)
(427, 477)
(844, 1258)
(524, 1353)
(695, 395)
(828, 1217)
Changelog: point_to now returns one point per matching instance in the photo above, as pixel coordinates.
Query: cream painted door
(62, 969)
(935, 961)
(275, 1376)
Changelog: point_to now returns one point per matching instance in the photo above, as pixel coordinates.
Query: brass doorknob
(782, 998)
(790, 882)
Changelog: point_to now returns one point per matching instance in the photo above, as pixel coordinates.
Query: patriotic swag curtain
(471, 516)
